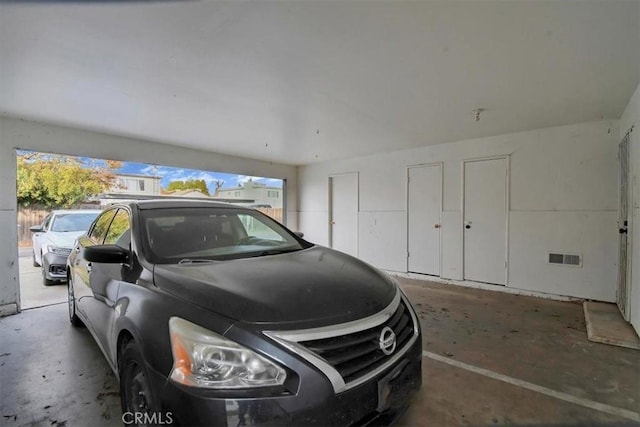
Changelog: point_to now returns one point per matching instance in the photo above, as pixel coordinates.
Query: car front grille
(356, 354)
(61, 251)
(350, 354)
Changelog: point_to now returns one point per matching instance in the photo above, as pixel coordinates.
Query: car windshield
(190, 235)
(64, 222)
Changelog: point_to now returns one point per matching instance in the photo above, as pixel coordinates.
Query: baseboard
(485, 286)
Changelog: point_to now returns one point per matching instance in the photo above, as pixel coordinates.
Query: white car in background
(54, 238)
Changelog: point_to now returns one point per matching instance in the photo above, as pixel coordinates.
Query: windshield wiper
(277, 251)
(195, 261)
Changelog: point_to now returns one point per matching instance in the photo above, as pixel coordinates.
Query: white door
(423, 210)
(485, 220)
(622, 294)
(343, 221)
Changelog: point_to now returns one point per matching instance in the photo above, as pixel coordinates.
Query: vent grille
(556, 258)
(574, 260)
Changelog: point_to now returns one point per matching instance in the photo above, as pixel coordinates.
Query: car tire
(45, 281)
(136, 393)
(35, 263)
(71, 301)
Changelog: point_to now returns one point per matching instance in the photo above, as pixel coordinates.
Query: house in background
(191, 193)
(127, 187)
(131, 184)
(260, 193)
(131, 187)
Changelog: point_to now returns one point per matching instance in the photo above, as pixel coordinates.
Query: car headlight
(202, 358)
(58, 250)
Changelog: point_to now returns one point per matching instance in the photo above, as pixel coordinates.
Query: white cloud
(149, 170)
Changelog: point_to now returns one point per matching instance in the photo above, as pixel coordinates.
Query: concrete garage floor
(496, 358)
(489, 359)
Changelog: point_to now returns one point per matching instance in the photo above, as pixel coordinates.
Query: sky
(169, 174)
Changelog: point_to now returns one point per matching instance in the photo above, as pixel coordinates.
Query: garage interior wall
(28, 135)
(563, 197)
(631, 117)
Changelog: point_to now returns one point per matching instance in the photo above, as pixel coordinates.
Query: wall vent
(573, 260)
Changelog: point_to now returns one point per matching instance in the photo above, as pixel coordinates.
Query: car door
(81, 268)
(105, 279)
(38, 238)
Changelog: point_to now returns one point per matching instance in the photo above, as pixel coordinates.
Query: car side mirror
(300, 234)
(106, 254)
(36, 228)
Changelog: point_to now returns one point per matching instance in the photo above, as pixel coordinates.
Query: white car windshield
(65, 222)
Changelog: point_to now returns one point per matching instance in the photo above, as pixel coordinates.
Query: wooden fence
(275, 213)
(30, 217)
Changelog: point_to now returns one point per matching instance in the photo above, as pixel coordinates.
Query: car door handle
(88, 267)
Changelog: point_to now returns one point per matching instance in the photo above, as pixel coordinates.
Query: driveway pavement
(32, 292)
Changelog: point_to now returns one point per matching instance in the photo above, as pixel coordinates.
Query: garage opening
(60, 195)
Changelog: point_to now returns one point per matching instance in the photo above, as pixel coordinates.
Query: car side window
(254, 227)
(119, 232)
(99, 230)
(46, 222)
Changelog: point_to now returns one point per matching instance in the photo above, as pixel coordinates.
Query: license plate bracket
(386, 386)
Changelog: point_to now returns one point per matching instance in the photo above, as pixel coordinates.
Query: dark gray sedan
(211, 314)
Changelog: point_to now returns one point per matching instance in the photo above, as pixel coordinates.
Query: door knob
(468, 226)
(623, 231)
(436, 226)
(333, 223)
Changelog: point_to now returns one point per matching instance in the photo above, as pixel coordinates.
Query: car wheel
(35, 263)
(73, 317)
(136, 395)
(45, 281)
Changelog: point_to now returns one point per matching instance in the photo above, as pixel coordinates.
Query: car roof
(75, 211)
(180, 203)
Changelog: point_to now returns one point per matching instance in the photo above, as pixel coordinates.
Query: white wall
(8, 232)
(563, 197)
(631, 117)
(15, 133)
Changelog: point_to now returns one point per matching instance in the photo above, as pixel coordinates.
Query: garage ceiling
(300, 82)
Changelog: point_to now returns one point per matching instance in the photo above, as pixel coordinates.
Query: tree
(191, 184)
(56, 181)
(219, 183)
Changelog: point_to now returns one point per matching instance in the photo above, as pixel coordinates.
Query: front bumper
(379, 401)
(55, 266)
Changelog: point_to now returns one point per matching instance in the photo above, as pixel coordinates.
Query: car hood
(308, 288)
(63, 239)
